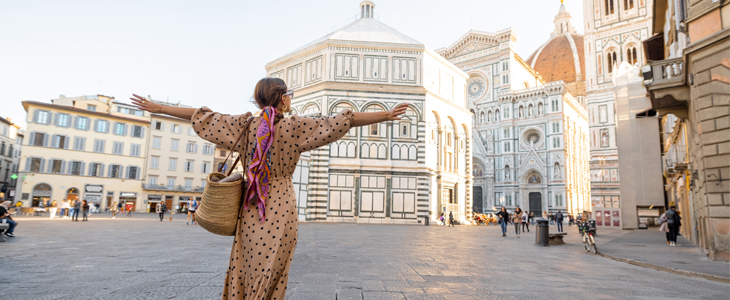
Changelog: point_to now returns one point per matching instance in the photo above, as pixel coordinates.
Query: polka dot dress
(262, 252)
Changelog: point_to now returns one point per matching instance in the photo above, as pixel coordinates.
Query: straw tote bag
(222, 201)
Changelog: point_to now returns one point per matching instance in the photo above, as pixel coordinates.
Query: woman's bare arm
(144, 104)
(367, 118)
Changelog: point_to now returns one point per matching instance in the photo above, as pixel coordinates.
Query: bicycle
(589, 242)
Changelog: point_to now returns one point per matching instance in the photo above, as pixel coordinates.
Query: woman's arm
(367, 118)
(180, 112)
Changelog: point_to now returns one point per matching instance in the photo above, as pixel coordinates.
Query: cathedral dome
(562, 56)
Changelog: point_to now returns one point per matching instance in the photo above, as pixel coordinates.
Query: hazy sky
(213, 52)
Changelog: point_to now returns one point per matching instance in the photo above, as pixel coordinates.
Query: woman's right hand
(144, 104)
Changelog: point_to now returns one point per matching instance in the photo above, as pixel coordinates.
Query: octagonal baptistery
(562, 56)
(394, 172)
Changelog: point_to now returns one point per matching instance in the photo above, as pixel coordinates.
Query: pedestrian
(673, 224)
(53, 209)
(442, 219)
(559, 220)
(128, 208)
(451, 219)
(192, 207)
(5, 217)
(665, 228)
(570, 220)
(161, 209)
(532, 218)
(525, 222)
(503, 219)
(85, 208)
(267, 138)
(113, 208)
(552, 219)
(97, 206)
(517, 220)
(75, 212)
(120, 208)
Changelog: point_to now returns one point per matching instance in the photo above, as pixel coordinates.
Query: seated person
(5, 218)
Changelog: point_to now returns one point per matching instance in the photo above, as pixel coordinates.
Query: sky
(213, 52)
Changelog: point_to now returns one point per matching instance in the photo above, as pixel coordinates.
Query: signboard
(14, 176)
(94, 188)
(128, 195)
(12, 193)
(154, 197)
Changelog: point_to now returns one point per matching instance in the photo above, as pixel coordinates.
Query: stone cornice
(490, 38)
(345, 45)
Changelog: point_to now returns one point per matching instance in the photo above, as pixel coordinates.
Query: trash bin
(426, 219)
(542, 232)
(592, 225)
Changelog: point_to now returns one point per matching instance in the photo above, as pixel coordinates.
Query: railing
(179, 188)
(675, 160)
(666, 72)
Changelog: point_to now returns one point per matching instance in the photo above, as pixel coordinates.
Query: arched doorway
(72, 194)
(477, 200)
(41, 193)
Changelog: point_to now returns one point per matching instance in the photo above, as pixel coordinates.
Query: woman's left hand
(395, 112)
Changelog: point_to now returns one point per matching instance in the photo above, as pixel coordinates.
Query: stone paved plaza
(142, 258)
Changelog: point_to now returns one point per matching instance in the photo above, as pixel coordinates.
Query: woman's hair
(518, 210)
(268, 92)
(504, 209)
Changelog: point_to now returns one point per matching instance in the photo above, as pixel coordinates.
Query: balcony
(666, 83)
(172, 188)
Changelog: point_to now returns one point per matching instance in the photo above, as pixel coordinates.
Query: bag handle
(243, 133)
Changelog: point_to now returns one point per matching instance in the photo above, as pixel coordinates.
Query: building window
(56, 166)
(82, 123)
(631, 55)
(628, 4)
(117, 148)
(207, 149)
(174, 145)
(43, 117)
(137, 131)
(90, 107)
(188, 184)
(153, 180)
(176, 128)
(156, 142)
(205, 168)
(611, 61)
(60, 142)
(95, 170)
(191, 147)
(99, 146)
(155, 162)
(62, 120)
(609, 7)
(191, 130)
(173, 164)
(101, 126)
(35, 164)
(114, 171)
(189, 166)
(120, 129)
(76, 168)
(134, 150)
(159, 125)
(170, 183)
(132, 173)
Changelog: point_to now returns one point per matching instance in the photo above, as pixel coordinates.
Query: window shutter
(35, 116)
(101, 170)
(31, 140)
(109, 172)
(162, 126)
(63, 167)
(27, 164)
(68, 141)
(125, 128)
(126, 171)
(45, 140)
(76, 122)
(195, 149)
(54, 141)
(142, 135)
(91, 166)
(138, 173)
(43, 166)
(55, 119)
(108, 126)
(83, 168)
(88, 124)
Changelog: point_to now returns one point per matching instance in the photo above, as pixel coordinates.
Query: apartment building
(88, 147)
(11, 137)
(177, 163)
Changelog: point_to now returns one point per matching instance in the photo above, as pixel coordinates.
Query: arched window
(609, 7)
(374, 129)
(611, 61)
(631, 55)
(628, 4)
(310, 109)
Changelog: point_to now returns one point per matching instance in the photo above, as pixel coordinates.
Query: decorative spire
(367, 9)
(563, 22)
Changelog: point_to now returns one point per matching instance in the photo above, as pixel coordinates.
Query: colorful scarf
(259, 171)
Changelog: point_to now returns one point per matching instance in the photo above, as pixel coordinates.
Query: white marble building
(530, 138)
(393, 172)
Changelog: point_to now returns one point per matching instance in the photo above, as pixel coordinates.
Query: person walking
(451, 219)
(665, 228)
(75, 212)
(532, 218)
(53, 209)
(270, 153)
(128, 208)
(5, 217)
(113, 208)
(442, 219)
(559, 220)
(570, 220)
(525, 222)
(552, 219)
(192, 207)
(673, 224)
(85, 209)
(503, 220)
(517, 220)
(161, 209)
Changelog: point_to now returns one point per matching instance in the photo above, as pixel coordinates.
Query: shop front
(182, 203)
(93, 193)
(41, 195)
(152, 202)
(72, 194)
(128, 200)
